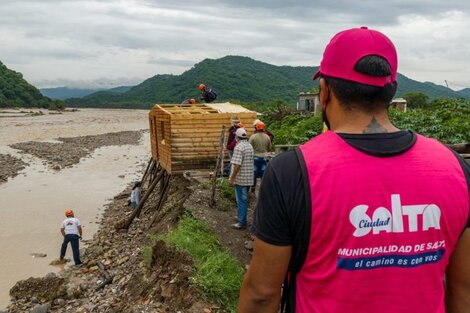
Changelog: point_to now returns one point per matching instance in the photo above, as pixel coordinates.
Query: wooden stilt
(161, 200)
(149, 165)
(153, 171)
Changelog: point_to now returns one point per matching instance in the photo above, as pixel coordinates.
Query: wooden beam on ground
(108, 278)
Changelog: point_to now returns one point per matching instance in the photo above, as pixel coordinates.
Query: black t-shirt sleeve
(282, 214)
(466, 170)
(271, 219)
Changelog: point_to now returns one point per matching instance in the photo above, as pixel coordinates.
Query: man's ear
(324, 93)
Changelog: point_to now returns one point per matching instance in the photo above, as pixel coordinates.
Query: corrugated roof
(227, 107)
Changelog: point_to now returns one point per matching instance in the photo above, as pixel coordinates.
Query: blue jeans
(241, 193)
(73, 239)
(228, 166)
(259, 168)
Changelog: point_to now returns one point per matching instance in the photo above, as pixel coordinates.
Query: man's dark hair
(365, 97)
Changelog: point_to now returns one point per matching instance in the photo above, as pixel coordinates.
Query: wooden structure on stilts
(185, 138)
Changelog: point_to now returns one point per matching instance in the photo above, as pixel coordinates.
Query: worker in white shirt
(72, 232)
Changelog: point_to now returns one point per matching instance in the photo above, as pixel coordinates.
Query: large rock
(41, 308)
(45, 289)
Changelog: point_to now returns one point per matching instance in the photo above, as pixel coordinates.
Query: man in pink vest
(364, 217)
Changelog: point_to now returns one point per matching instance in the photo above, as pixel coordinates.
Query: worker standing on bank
(208, 95)
(135, 194)
(267, 132)
(72, 232)
(261, 146)
(241, 175)
(365, 217)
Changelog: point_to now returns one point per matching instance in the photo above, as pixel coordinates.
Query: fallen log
(122, 196)
(108, 278)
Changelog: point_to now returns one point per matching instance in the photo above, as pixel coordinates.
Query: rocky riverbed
(135, 288)
(10, 166)
(68, 151)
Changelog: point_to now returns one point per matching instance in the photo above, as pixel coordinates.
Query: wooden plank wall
(161, 139)
(187, 138)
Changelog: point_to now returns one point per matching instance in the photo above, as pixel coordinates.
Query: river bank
(105, 150)
(162, 281)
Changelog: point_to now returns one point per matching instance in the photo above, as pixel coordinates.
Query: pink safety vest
(382, 228)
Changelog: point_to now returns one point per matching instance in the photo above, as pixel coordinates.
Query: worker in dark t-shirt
(208, 95)
(364, 217)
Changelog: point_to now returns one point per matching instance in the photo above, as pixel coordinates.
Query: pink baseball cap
(346, 48)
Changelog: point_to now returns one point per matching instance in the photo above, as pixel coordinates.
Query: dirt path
(220, 219)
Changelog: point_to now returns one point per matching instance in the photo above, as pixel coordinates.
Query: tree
(416, 99)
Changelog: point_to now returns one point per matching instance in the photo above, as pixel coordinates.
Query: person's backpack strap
(214, 92)
(211, 94)
(300, 244)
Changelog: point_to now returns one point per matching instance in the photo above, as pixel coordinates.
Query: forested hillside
(235, 78)
(17, 92)
(465, 93)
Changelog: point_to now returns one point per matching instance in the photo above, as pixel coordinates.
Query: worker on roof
(208, 94)
(190, 101)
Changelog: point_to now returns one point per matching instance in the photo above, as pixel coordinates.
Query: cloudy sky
(107, 43)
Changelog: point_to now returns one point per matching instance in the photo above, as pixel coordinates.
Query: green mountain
(17, 92)
(66, 92)
(465, 93)
(234, 78)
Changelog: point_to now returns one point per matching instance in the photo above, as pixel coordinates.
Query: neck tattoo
(374, 127)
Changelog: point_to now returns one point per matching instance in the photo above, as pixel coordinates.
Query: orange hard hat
(202, 87)
(69, 213)
(260, 125)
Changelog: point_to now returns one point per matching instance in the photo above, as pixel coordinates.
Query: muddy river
(32, 203)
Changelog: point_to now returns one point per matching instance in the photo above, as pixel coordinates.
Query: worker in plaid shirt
(242, 175)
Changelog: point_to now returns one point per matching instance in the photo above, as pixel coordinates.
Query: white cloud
(434, 48)
(86, 42)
